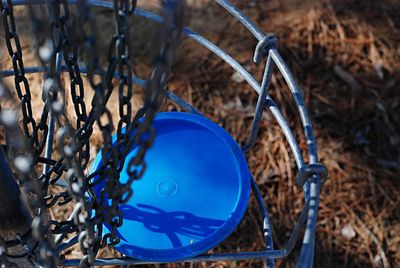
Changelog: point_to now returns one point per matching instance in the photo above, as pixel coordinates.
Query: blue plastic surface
(192, 196)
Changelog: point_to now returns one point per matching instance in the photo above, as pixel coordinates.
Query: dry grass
(346, 57)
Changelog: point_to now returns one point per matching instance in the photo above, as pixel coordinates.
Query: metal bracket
(264, 45)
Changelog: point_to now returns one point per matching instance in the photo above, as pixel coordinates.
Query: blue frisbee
(192, 196)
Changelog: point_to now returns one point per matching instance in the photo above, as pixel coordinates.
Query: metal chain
(169, 38)
(61, 35)
(122, 10)
(76, 44)
(75, 154)
(35, 132)
(22, 155)
(140, 133)
(118, 55)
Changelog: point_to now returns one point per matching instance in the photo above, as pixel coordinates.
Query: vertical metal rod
(307, 250)
(269, 244)
(50, 133)
(49, 142)
(262, 98)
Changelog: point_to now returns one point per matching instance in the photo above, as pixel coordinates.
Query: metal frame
(309, 174)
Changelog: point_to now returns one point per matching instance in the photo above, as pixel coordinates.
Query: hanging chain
(43, 251)
(74, 152)
(78, 44)
(169, 35)
(35, 132)
(62, 40)
(140, 133)
(122, 10)
(24, 155)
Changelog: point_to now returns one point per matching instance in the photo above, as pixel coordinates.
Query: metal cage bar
(311, 187)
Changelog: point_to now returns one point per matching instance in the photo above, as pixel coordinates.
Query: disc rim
(229, 225)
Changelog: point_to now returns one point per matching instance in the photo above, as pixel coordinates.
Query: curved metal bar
(242, 18)
(205, 43)
(307, 251)
(182, 103)
(287, 74)
(270, 103)
(260, 105)
(176, 99)
(28, 70)
(210, 46)
(275, 254)
(310, 187)
(220, 53)
(273, 107)
(312, 215)
(83, 69)
(243, 72)
(269, 244)
(269, 253)
(305, 118)
(138, 81)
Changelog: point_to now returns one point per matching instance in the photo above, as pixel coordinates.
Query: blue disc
(192, 195)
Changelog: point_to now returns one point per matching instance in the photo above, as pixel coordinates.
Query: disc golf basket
(166, 186)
